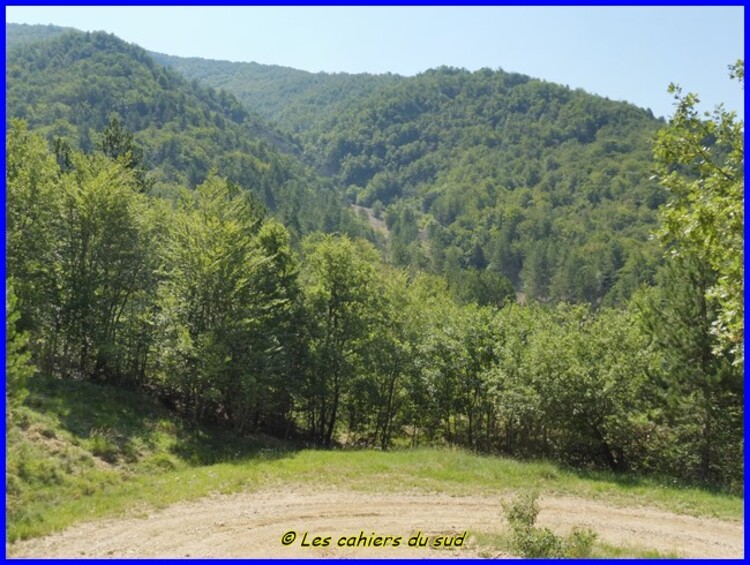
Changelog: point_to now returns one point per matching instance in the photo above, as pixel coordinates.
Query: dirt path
(375, 223)
(252, 524)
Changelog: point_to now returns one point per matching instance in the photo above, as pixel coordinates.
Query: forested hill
(70, 87)
(295, 100)
(18, 35)
(134, 259)
(500, 182)
(547, 186)
(487, 177)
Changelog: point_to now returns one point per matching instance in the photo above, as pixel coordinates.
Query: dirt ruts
(252, 524)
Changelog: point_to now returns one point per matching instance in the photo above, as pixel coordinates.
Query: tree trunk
(328, 438)
(386, 437)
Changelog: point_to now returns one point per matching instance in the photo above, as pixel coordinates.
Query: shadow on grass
(119, 425)
(207, 446)
(124, 425)
(630, 481)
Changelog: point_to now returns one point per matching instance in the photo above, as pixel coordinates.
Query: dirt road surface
(252, 524)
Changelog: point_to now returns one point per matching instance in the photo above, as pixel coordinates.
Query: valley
(246, 299)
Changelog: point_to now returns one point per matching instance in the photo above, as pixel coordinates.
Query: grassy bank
(81, 451)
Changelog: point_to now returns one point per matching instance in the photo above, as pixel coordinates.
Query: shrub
(530, 541)
(580, 542)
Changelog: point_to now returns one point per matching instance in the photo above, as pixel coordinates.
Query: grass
(80, 451)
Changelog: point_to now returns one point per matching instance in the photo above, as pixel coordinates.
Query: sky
(625, 53)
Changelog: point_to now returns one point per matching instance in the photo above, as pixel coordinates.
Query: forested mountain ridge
(505, 171)
(294, 100)
(18, 35)
(497, 181)
(70, 87)
(511, 178)
(82, 78)
(137, 260)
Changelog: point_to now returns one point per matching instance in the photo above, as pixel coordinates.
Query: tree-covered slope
(545, 185)
(490, 179)
(19, 35)
(483, 175)
(69, 88)
(295, 100)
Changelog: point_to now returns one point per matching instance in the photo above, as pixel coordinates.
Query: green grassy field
(79, 451)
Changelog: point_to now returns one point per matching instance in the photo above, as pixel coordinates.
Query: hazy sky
(625, 53)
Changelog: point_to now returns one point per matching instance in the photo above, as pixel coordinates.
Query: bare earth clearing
(252, 524)
(375, 223)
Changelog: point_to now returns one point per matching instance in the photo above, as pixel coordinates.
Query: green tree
(79, 251)
(701, 163)
(454, 351)
(119, 145)
(18, 367)
(341, 300)
(378, 393)
(33, 227)
(223, 299)
(698, 393)
(104, 260)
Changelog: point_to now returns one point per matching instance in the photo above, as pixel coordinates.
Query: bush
(530, 541)
(580, 542)
(18, 367)
(537, 542)
(522, 511)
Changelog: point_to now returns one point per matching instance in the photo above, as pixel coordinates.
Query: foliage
(696, 314)
(341, 295)
(698, 428)
(546, 186)
(94, 91)
(701, 163)
(201, 303)
(18, 35)
(498, 317)
(281, 95)
(17, 358)
(157, 458)
(531, 541)
(223, 302)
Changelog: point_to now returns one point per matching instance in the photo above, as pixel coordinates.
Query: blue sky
(625, 53)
